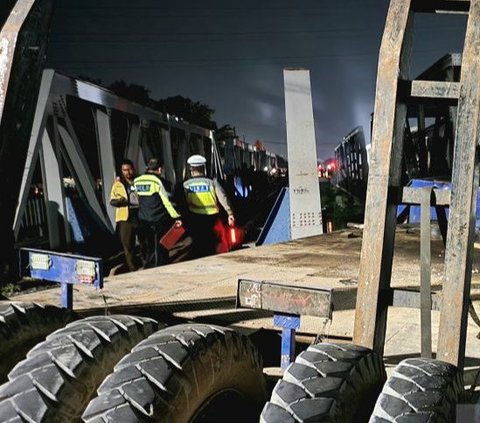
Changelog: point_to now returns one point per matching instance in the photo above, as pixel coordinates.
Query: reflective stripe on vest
(201, 197)
(148, 185)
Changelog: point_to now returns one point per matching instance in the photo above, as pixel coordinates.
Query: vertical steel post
(169, 167)
(425, 274)
(289, 324)
(385, 173)
(459, 250)
(67, 295)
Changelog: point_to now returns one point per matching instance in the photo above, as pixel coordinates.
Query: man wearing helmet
(204, 197)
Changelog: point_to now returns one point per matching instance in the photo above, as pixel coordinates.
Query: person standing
(125, 200)
(204, 197)
(156, 213)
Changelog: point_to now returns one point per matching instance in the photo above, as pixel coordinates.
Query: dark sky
(231, 55)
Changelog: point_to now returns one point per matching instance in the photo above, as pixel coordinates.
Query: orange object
(172, 236)
(330, 226)
(235, 237)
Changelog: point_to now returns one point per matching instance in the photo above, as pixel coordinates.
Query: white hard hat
(196, 160)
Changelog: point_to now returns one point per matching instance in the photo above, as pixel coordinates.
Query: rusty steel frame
(459, 249)
(384, 173)
(23, 43)
(393, 90)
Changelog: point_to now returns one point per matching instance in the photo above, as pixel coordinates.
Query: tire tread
(59, 377)
(160, 368)
(419, 388)
(325, 383)
(22, 325)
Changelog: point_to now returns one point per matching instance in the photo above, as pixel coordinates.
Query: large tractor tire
(24, 325)
(327, 383)
(60, 375)
(184, 374)
(420, 390)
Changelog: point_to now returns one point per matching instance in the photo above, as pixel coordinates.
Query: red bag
(222, 238)
(169, 240)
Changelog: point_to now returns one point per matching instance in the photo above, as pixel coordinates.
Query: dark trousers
(206, 234)
(153, 253)
(126, 232)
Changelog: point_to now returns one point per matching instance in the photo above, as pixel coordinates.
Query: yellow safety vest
(153, 198)
(201, 197)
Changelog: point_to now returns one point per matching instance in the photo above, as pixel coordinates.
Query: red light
(233, 236)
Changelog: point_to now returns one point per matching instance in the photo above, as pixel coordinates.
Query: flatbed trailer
(205, 290)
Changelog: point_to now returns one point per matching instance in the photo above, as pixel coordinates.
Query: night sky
(231, 55)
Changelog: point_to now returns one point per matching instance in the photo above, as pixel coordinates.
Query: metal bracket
(288, 302)
(66, 269)
(282, 298)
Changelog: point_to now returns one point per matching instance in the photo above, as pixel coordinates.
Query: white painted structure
(305, 204)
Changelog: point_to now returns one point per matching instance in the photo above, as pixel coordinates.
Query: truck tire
(327, 383)
(24, 325)
(420, 390)
(184, 374)
(60, 375)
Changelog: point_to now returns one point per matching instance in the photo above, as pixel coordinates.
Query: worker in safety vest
(156, 213)
(204, 197)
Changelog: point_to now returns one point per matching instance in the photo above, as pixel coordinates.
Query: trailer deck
(204, 290)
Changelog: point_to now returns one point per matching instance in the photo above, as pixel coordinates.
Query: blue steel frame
(289, 324)
(66, 269)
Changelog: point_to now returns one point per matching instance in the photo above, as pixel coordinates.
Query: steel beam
(425, 274)
(435, 89)
(441, 6)
(54, 195)
(412, 299)
(169, 168)
(440, 197)
(67, 85)
(107, 159)
(38, 128)
(385, 172)
(217, 167)
(459, 250)
(133, 150)
(23, 41)
(79, 168)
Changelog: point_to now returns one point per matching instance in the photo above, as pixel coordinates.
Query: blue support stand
(67, 296)
(289, 324)
(66, 269)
